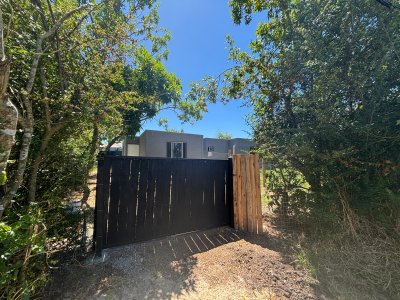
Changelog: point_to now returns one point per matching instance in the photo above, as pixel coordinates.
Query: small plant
(303, 259)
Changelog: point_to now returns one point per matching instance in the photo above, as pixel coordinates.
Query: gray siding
(221, 148)
(241, 146)
(142, 147)
(155, 143)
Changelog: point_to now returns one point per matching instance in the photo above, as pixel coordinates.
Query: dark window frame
(170, 149)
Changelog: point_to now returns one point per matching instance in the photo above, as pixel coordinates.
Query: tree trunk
(113, 140)
(8, 120)
(8, 116)
(48, 134)
(39, 158)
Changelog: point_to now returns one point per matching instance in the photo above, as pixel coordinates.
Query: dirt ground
(214, 264)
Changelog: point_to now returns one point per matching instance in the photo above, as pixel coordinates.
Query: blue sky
(197, 49)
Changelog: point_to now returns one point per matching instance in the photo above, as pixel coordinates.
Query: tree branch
(39, 44)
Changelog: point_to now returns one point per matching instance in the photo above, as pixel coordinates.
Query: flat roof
(170, 132)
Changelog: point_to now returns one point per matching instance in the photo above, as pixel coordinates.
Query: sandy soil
(214, 264)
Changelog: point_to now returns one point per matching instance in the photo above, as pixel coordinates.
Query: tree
(154, 89)
(79, 74)
(24, 95)
(323, 80)
(223, 135)
(324, 83)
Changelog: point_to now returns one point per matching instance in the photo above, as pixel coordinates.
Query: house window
(210, 148)
(176, 149)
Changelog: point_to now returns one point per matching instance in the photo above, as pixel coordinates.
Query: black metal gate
(141, 198)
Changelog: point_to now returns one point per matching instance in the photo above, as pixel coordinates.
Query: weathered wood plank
(259, 210)
(243, 166)
(250, 192)
(257, 201)
(239, 192)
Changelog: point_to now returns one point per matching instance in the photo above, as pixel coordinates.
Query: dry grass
(364, 266)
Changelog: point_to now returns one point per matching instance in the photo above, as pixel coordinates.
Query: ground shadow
(158, 269)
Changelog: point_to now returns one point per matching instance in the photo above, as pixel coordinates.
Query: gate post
(99, 207)
(246, 193)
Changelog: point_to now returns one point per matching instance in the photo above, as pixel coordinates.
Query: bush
(31, 241)
(23, 258)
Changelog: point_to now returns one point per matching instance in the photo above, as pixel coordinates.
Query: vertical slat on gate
(173, 200)
(125, 205)
(141, 210)
(179, 214)
(132, 192)
(199, 189)
(210, 194)
(191, 195)
(106, 196)
(215, 215)
(149, 221)
(212, 184)
(184, 202)
(220, 193)
(161, 208)
(113, 234)
(201, 182)
(206, 182)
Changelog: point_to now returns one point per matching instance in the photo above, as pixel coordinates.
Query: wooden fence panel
(247, 193)
(140, 198)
